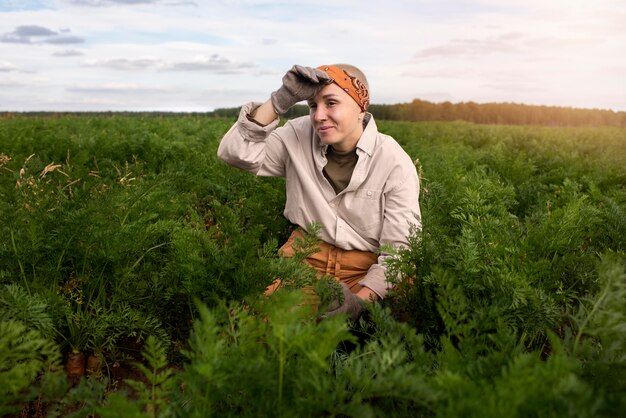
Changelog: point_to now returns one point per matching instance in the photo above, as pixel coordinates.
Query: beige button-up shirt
(379, 206)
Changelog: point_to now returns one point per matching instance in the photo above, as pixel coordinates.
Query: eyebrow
(326, 96)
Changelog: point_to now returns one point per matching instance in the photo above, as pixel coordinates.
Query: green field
(125, 239)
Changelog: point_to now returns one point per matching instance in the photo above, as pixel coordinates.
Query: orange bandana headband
(349, 83)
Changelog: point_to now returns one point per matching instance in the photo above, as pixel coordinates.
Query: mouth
(324, 129)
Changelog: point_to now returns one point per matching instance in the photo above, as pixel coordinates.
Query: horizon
(180, 56)
(304, 104)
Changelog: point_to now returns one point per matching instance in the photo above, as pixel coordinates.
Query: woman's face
(336, 118)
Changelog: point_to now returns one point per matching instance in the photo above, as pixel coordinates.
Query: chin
(327, 140)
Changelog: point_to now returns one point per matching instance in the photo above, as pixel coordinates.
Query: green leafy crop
(124, 237)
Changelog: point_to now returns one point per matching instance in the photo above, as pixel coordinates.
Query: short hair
(355, 72)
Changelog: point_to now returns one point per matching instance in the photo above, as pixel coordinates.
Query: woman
(357, 183)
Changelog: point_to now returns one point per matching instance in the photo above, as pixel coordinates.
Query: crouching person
(358, 184)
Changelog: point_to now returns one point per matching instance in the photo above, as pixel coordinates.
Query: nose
(319, 114)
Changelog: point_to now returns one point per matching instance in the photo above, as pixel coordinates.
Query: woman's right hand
(300, 83)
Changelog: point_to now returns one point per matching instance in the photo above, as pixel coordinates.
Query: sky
(192, 55)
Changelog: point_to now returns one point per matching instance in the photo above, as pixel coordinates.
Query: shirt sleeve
(401, 219)
(252, 147)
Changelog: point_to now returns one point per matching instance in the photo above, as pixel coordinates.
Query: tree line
(422, 110)
(487, 113)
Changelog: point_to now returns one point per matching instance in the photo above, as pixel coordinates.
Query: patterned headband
(350, 84)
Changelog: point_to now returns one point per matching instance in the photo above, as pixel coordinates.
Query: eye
(331, 103)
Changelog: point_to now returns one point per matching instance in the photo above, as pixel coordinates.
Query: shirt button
(332, 205)
(369, 192)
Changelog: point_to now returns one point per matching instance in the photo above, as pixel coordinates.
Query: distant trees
(489, 113)
(498, 113)
(422, 110)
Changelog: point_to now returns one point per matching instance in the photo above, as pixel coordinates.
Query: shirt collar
(368, 137)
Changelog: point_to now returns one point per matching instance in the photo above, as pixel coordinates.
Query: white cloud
(33, 34)
(67, 53)
(6, 67)
(214, 64)
(104, 3)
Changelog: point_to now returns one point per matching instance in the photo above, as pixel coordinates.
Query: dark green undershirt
(338, 170)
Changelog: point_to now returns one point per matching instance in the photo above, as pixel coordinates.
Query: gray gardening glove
(348, 303)
(300, 83)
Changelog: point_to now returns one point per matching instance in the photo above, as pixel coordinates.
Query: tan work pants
(347, 266)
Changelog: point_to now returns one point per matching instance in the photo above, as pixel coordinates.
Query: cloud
(67, 53)
(32, 30)
(60, 40)
(104, 3)
(33, 34)
(96, 3)
(504, 43)
(513, 87)
(125, 64)
(447, 73)
(215, 63)
(115, 89)
(138, 97)
(6, 67)
(559, 43)
(507, 43)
